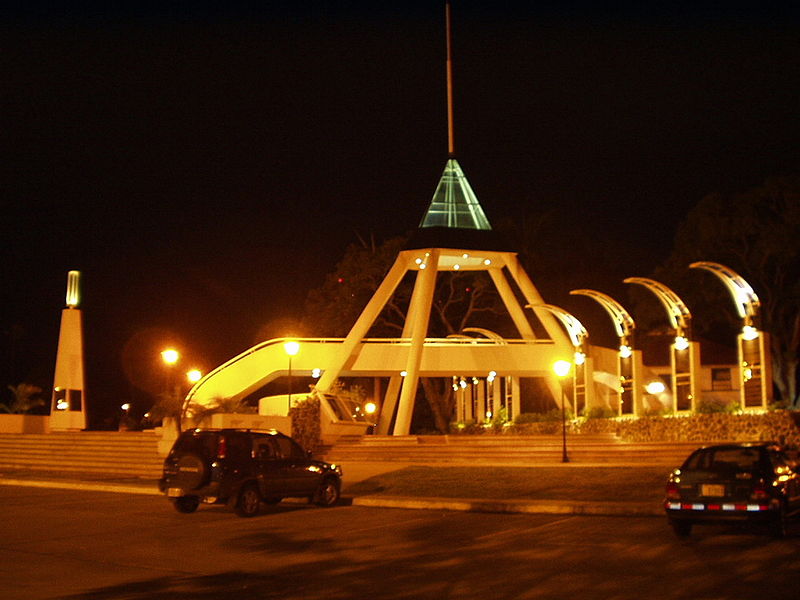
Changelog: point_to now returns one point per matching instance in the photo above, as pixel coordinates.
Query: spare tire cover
(191, 472)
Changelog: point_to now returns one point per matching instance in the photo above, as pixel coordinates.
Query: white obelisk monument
(68, 409)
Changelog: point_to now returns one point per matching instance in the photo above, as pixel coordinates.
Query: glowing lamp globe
(170, 356)
(562, 367)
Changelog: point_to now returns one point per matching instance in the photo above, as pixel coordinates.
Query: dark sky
(205, 167)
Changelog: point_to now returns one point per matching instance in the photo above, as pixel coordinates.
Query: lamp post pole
(170, 356)
(564, 457)
(290, 383)
(291, 348)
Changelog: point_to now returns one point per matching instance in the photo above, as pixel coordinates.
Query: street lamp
(291, 348)
(562, 369)
(170, 356)
(194, 376)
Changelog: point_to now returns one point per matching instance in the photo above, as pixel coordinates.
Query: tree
(459, 299)
(757, 234)
(27, 397)
(168, 405)
(332, 308)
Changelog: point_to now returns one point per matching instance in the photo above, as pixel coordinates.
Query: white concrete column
(480, 392)
(638, 382)
(513, 383)
(420, 307)
(388, 405)
(497, 400)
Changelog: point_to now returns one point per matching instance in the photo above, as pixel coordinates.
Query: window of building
(721, 379)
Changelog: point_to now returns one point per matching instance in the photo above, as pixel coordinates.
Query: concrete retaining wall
(22, 423)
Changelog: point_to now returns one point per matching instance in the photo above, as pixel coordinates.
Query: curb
(551, 507)
(563, 507)
(83, 485)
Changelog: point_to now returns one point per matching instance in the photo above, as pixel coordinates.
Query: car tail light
(672, 491)
(759, 491)
(222, 447)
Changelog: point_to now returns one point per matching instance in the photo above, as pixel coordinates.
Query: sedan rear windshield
(737, 459)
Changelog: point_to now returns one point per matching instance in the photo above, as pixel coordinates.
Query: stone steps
(135, 454)
(508, 450)
(129, 454)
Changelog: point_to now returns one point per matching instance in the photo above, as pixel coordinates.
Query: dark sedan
(734, 482)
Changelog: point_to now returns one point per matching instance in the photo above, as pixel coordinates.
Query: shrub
(466, 427)
(599, 412)
(499, 419)
(711, 404)
(549, 416)
(306, 430)
(201, 414)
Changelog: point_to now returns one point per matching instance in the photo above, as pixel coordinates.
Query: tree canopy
(757, 234)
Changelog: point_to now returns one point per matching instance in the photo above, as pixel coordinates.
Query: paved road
(103, 546)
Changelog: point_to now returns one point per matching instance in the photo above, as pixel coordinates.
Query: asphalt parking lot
(88, 545)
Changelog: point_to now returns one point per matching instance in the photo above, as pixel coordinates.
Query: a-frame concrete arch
(503, 268)
(454, 236)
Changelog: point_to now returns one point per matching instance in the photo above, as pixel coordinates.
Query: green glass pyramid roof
(454, 203)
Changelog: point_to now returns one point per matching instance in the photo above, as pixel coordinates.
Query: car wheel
(682, 529)
(327, 493)
(248, 502)
(777, 526)
(186, 504)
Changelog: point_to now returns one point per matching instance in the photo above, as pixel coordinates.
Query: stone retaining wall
(780, 426)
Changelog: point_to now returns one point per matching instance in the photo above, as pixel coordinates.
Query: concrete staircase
(503, 450)
(122, 454)
(136, 455)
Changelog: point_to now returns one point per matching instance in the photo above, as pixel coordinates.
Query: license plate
(174, 492)
(712, 489)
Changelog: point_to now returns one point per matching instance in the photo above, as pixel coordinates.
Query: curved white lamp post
(583, 389)
(755, 364)
(628, 361)
(684, 353)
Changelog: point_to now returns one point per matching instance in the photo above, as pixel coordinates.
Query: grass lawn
(548, 483)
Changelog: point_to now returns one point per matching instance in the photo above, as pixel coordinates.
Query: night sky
(205, 167)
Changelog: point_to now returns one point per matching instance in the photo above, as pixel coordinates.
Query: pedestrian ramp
(86, 453)
(508, 450)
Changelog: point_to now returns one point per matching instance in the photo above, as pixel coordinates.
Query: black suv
(244, 468)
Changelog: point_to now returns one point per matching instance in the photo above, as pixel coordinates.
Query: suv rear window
(207, 444)
(203, 443)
